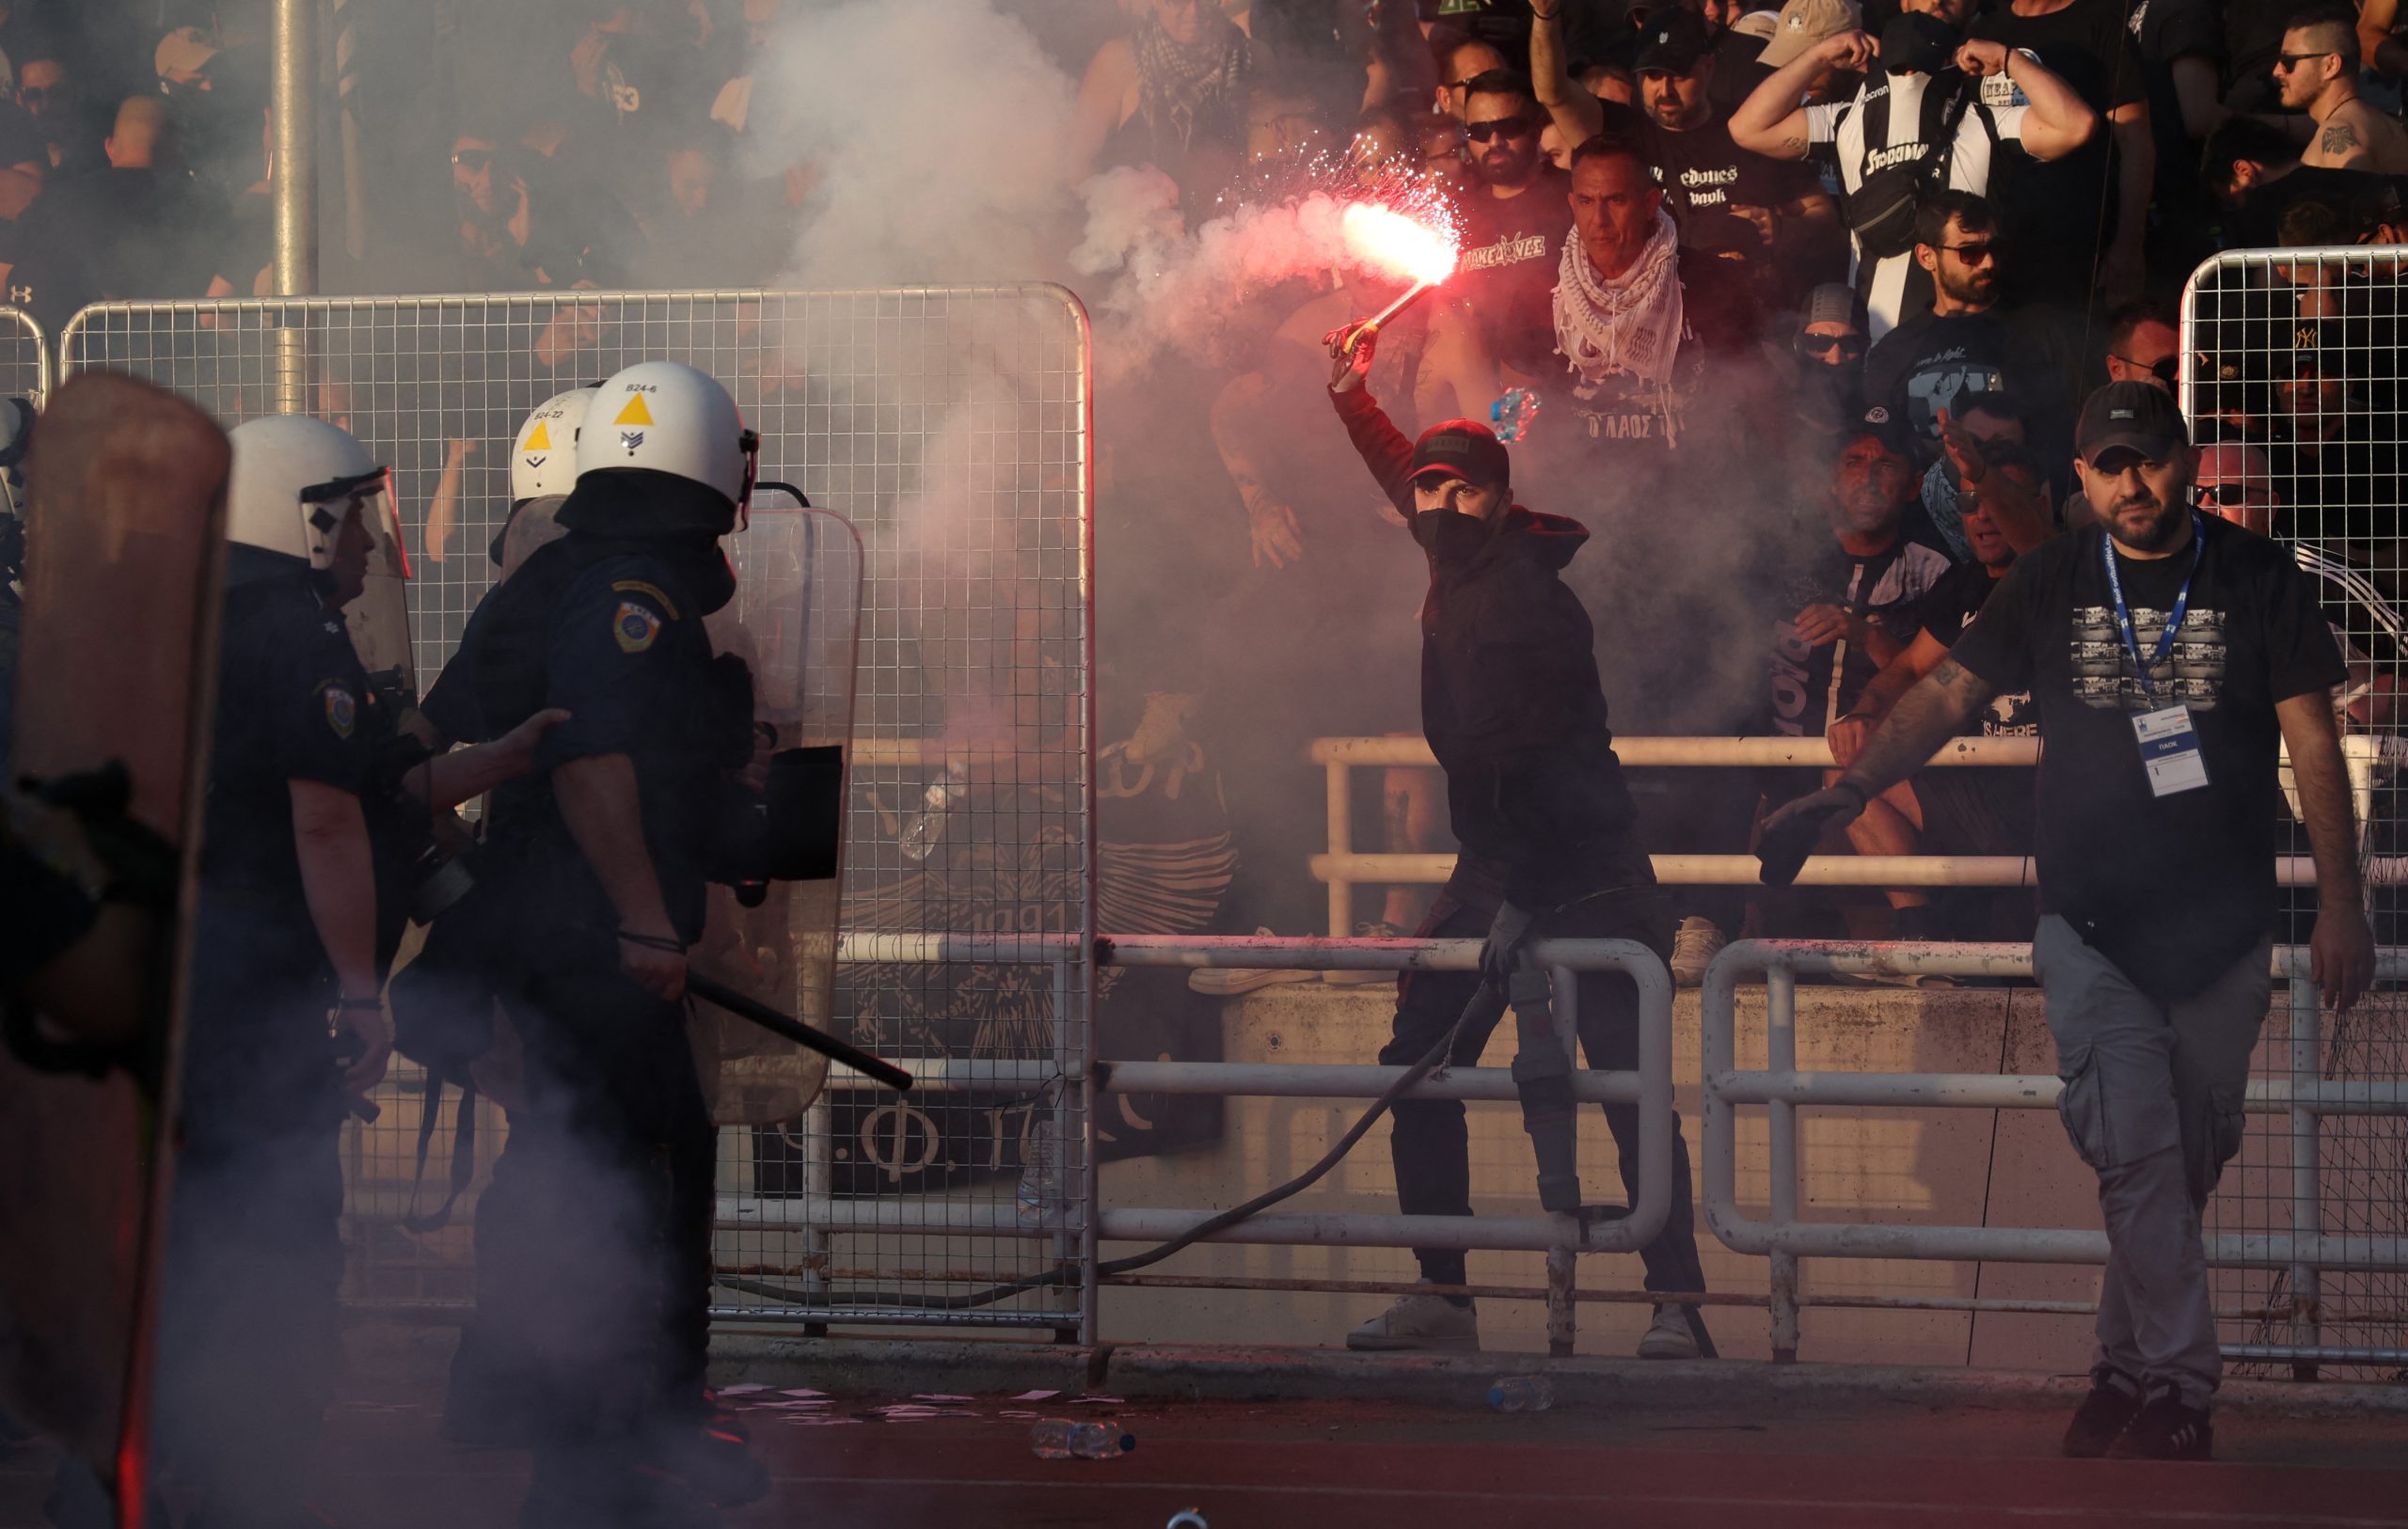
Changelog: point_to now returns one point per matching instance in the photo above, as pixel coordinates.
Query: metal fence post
(1781, 1056)
(1341, 841)
(2307, 1218)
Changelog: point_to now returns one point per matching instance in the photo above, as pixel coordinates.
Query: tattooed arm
(2338, 146)
(1771, 122)
(1924, 718)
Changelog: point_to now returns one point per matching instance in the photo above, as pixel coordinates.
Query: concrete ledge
(1234, 1374)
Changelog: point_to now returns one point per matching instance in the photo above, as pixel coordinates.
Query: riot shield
(379, 617)
(794, 620)
(125, 562)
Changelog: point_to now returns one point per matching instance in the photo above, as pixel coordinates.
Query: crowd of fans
(1794, 307)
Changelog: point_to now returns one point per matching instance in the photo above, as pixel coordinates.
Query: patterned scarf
(1181, 85)
(1631, 324)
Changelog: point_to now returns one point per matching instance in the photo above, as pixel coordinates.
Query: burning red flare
(1395, 244)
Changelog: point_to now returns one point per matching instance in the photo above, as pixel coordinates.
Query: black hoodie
(1509, 698)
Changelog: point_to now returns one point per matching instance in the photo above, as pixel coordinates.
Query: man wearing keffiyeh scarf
(1619, 307)
(1196, 82)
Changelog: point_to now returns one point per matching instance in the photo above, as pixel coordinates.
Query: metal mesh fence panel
(2292, 376)
(24, 356)
(951, 426)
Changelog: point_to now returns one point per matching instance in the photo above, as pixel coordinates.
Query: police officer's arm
(599, 802)
(447, 779)
(2341, 951)
(338, 882)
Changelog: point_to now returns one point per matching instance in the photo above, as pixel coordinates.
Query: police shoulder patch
(342, 708)
(653, 592)
(634, 625)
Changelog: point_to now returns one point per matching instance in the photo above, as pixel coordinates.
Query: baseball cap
(1760, 25)
(1804, 23)
(1834, 302)
(2132, 415)
(1882, 423)
(1674, 41)
(183, 53)
(1462, 447)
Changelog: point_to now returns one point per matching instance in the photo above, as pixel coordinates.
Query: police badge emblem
(635, 627)
(342, 711)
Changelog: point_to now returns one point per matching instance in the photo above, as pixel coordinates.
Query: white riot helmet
(543, 460)
(294, 479)
(670, 437)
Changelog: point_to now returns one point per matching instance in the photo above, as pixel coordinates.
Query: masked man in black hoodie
(1512, 708)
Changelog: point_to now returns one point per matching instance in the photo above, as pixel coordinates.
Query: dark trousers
(1430, 1144)
(608, 1265)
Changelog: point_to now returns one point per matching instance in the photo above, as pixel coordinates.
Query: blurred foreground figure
(121, 603)
(2171, 657)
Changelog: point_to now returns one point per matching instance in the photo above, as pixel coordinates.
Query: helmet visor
(378, 615)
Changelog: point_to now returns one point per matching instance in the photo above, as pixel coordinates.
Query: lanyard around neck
(2174, 618)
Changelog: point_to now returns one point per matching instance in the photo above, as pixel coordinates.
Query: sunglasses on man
(2229, 496)
(1849, 346)
(2288, 61)
(1502, 127)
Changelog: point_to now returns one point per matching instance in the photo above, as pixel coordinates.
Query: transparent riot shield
(379, 616)
(794, 620)
(116, 670)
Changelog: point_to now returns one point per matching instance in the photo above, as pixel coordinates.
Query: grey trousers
(2153, 1102)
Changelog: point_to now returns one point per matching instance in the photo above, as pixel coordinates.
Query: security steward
(286, 1023)
(1512, 706)
(602, 863)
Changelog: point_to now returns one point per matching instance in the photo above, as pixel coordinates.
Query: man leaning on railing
(2169, 656)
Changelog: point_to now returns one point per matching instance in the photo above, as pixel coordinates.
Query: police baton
(758, 1013)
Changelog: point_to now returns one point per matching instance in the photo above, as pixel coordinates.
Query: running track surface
(1336, 1465)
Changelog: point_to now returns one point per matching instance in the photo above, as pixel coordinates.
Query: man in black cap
(1512, 708)
(2171, 657)
(1728, 200)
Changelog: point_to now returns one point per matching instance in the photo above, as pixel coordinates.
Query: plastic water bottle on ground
(1187, 1518)
(1072, 1439)
(1521, 1393)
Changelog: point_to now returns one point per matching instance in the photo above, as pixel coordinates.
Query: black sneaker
(2167, 1428)
(2114, 1401)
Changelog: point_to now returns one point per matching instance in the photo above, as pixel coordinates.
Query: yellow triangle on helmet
(635, 413)
(540, 439)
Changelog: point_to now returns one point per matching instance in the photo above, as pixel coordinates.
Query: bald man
(134, 230)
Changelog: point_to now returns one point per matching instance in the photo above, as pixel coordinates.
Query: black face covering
(1917, 43)
(1452, 537)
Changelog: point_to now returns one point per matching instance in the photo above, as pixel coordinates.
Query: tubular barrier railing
(1785, 1238)
(1649, 1087)
(1342, 868)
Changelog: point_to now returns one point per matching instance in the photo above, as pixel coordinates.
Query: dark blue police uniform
(613, 1151)
(248, 1334)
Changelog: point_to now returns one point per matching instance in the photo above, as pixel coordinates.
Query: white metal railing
(1649, 1087)
(1783, 1237)
(1341, 868)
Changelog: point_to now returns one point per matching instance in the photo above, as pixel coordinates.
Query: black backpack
(1881, 212)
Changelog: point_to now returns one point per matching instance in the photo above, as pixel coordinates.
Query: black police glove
(1791, 834)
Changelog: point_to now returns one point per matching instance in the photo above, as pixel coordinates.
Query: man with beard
(2318, 73)
(2172, 658)
(1938, 362)
(1924, 100)
(1490, 328)
(1772, 215)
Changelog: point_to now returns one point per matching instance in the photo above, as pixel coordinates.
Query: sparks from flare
(1395, 244)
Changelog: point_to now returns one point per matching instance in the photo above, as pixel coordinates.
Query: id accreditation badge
(2170, 751)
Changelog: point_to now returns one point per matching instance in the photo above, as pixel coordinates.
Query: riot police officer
(602, 864)
(286, 1019)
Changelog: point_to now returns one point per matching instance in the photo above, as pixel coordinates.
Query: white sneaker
(1221, 982)
(1669, 1335)
(1368, 977)
(1420, 1322)
(1694, 947)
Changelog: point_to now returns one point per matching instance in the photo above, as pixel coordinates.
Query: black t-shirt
(1737, 71)
(2172, 888)
(1929, 363)
(1512, 246)
(2168, 30)
(2059, 214)
(1705, 175)
(1947, 608)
